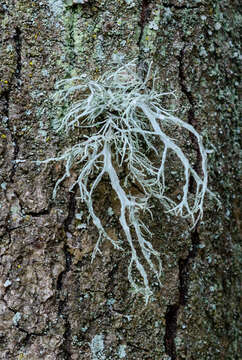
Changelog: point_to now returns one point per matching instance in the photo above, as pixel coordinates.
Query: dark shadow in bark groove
(17, 77)
(171, 328)
(183, 264)
(172, 310)
(190, 114)
(62, 311)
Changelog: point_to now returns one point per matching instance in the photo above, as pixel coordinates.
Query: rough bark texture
(55, 303)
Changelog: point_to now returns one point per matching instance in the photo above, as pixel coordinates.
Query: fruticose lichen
(123, 115)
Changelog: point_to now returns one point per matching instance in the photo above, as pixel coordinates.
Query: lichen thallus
(123, 115)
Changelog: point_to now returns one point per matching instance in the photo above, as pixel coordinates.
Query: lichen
(97, 347)
(126, 114)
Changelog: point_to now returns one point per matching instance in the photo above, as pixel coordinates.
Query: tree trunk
(55, 303)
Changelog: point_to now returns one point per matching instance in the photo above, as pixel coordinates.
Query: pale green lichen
(97, 347)
(16, 318)
(124, 115)
(56, 6)
(122, 351)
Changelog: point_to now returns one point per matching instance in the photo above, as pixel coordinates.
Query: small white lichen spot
(4, 185)
(217, 26)
(130, 3)
(97, 348)
(7, 283)
(80, 1)
(56, 6)
(110, 211)
(153, 26)
(168, 13)
(17, 318)
(121, 351)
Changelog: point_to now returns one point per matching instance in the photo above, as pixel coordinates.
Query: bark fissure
(190, 114)
(144, 17)
(63, 298)
(42, 333)
(171, 329)
(184, 268)
(17, 77)
(22, 329)
(39, 213)
(182, 81)
(137, 347)
(18, 48)
(6, 97)
(173, 310)
(109, 286)
(182, 7)
(34, 214)
(183, 264)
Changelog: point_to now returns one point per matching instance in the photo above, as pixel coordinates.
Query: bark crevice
(183, 264)
(182, 7)
(17, 78)
(144, 18)
(173, 310)
(190, 114)
(63, 310)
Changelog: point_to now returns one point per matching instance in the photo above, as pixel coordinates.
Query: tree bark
(54, 302)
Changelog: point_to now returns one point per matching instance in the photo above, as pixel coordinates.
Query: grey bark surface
(54, 302)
